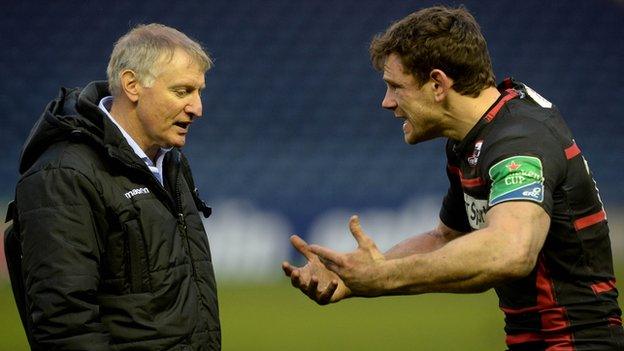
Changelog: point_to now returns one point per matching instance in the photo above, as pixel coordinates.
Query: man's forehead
(393, 62)
(176, 57)
(180, 67)
(393, 67)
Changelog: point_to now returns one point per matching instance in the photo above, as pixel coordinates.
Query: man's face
(408, 101)
(166, 109)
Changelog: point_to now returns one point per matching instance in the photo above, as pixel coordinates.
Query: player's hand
(314, 279)
(361, 270)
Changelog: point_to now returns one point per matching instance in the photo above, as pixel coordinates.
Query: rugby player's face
(410, 102)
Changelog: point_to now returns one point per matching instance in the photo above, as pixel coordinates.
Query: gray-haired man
(114, 252)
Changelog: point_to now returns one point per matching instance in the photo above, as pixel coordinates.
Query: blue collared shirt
(157, 168)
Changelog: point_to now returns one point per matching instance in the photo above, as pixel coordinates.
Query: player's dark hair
(442, 38)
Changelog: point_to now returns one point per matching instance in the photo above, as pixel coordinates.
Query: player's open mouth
(407, 127)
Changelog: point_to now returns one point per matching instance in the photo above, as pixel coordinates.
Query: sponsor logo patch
(475, 210)
(517, 178)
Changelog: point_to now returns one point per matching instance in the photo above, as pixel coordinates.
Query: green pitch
(276, 317)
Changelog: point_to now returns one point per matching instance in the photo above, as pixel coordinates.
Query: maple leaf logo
(513, 166)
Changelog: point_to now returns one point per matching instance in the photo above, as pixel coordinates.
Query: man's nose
(194, 108)
(389, 102)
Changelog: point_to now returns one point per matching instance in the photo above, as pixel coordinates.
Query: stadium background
(293, 140)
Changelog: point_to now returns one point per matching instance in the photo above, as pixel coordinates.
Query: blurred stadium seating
(293, 140)
(292, 126)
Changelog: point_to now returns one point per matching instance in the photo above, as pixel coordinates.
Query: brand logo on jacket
(138, 191)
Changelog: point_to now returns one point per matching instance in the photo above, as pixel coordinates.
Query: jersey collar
(489, 115)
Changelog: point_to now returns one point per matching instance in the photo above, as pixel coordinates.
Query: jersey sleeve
(525, 164)
(453, 211)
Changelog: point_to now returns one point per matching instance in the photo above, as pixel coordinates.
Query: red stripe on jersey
(592, 219)
(516, 311)
(454, 170)
(544, 285)
(494, 110)
(471, 183)
(572, 151)
(603, 287)
(466, 182)
(508, 83)
(615, 321)
(522, 338)
(555, 322)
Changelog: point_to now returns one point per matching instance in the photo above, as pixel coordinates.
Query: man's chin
(177, 143)
(416, 139)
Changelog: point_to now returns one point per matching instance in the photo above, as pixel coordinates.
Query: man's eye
(180, 93)
(393, 87)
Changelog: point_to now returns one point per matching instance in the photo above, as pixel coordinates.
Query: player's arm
(506, 249)
(425, 242)
(61, 258)
(325, 286)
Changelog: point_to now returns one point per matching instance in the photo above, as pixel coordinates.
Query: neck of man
(464, 112)
(124, 112)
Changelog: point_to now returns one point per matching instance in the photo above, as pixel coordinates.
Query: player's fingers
(295, 279)
(324, 297)
(330, 258)
(301, 246)
(288, 268)
(356, 230)
(311, 288)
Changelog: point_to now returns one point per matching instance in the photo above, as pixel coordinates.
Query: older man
(114, 252)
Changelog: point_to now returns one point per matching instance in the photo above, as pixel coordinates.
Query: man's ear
(130, 85)
(442, 84)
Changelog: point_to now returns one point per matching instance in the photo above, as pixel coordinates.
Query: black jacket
(111, 258)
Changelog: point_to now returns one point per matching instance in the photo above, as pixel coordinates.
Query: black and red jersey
(522, 150)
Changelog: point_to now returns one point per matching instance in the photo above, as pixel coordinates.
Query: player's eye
(393, 86)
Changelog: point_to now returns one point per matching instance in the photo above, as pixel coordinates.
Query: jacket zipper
(183, 228)
(182, 224)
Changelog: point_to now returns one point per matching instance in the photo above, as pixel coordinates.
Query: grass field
(277, 317)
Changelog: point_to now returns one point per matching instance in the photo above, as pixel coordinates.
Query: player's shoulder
(528, 125)
(530, 116)
(523, 119)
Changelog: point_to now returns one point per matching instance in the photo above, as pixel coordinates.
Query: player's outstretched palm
(361, 270)
(314, 279)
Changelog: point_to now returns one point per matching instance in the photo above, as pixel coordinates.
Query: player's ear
(130, 85)
(441, 84)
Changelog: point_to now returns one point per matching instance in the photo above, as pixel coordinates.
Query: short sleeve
(525, 165)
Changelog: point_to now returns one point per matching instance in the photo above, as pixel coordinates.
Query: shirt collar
(104, 105)
(487, 117)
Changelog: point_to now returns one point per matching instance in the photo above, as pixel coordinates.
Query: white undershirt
(156, 169)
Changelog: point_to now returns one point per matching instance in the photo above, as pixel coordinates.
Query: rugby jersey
(522, 150)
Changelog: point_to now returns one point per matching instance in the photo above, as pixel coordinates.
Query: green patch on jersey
(517, 178)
